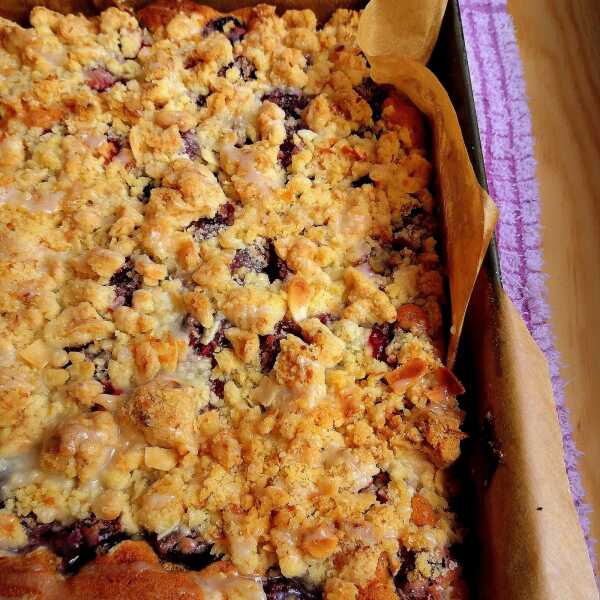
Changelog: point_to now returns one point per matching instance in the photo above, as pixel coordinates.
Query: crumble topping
(222, 303)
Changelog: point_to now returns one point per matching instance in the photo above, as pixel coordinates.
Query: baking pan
(450, 65)
(525, 539)
(501, 561)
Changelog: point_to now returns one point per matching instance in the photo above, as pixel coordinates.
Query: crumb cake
(221, 346)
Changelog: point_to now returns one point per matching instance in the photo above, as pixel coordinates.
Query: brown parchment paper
(532, 545)
(527, 553)
(407, 28)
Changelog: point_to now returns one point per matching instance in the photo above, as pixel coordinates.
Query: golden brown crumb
(220, 287)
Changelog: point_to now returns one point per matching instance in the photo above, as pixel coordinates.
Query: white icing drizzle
(41, 201)
(225, 586)
(247, 170)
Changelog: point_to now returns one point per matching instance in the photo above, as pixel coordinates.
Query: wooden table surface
(560, 47)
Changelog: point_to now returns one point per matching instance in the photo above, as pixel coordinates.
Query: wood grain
(560, 47)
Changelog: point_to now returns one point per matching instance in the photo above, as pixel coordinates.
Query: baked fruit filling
(221, 315)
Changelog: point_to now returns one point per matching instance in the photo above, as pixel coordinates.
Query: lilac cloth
(507, 141)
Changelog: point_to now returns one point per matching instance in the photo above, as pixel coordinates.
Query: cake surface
(221, 314)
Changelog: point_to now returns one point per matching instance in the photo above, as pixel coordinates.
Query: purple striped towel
(507, 141)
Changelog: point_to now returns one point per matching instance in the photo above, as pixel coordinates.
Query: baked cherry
(77, 543)
(287, 149)
(381, 335)
(282, 588)
(232, 27)
(260, 257)
(292, 103)
(270, 344)
(196, 332)
(126, 281)
(205, 229)
(217, 386)
(100, 79)
(188, 549)
(190, 144)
